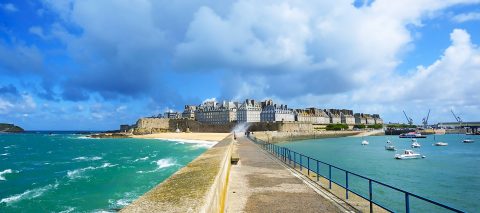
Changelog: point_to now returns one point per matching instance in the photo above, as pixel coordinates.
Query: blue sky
(97, 64)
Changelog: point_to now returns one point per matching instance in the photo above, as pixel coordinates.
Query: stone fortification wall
(156, 125)
(198, 187)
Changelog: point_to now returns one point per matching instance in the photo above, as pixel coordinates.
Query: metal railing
(290, 157)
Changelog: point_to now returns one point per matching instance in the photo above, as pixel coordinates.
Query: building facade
(249, 111)
(189, 112)
(312, 115)
(216, 113)
(273, 113)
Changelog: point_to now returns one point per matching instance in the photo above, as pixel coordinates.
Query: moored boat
(364, 142)
(390, 146)
(409, 154)
(415, 144)
(441, 144)
(468, 141)
(412, 135)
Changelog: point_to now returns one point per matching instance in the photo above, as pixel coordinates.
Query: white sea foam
(4, 172)
(77, 173)
(68, 210)
(29, 194)
(87, 158)
(199, 143)
(141, 159)
(162, 163)
(5, 154)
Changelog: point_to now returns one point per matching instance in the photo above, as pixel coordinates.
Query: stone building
(334, 115)
(360, 118)
(216, 113)
(347, 117)
(273, 113)
(312, 115)
(189, 112)
(249, 111)
(377, 119)
(172, 115)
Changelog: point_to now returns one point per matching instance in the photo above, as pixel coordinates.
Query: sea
(448, 174)
(68, 172)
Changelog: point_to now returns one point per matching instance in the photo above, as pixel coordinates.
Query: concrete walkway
(260, 183)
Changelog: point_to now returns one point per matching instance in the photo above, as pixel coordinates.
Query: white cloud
(464, 17)
(36, 30)
(9, 7)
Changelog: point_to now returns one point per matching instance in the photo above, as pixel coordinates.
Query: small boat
(412, 135)
(364, 142)
(440, 144)
(468, 141)
(390, 146)
(415, 144)
(409, 154)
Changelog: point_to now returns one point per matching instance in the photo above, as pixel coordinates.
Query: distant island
(4, 127)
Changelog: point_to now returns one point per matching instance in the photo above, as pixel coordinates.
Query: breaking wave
(4, 172)
(141, 159)
(77, 173)
(29, 194)
(198, 143)
(87, 158)
(162, 163)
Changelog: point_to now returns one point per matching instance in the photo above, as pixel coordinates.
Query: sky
(93, 65)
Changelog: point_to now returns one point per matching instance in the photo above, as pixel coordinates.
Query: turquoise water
(71, 173)
(449, 174)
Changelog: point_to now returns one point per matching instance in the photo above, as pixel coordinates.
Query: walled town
(212, 116)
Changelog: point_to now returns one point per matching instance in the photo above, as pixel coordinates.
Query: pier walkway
(261, 183)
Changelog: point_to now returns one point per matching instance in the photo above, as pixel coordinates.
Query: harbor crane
(425, 120)
(457, 118)
(409, 120)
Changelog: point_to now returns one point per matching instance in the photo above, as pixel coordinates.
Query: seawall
(276, 137)
(198, 187)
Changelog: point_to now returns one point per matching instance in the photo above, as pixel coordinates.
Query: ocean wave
(162, 163)
(199, 143)
(141, 159)
(77, 173)
(87, 158)
(5, 154)
(8, 147)
(68, 210)
(6, 171)
(29, 194)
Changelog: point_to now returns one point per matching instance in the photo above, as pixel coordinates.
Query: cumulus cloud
(324, 47)
(464, 17)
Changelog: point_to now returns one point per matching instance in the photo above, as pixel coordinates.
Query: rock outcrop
(10, 128)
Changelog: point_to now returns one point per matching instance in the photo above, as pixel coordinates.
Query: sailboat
(390, 146)
(364, 142)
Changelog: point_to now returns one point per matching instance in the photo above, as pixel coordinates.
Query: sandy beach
(186, 136)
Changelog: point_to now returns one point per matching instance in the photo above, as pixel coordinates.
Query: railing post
(346, 185)
(407, 203)
(318, 171)
(308, 166)
(294, 159)
(370, 194)
(300, 155)
(330, 176)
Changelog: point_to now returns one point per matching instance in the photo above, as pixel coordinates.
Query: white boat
(390, 148)
(408, 154)
(364, 142)
(468, 141)
(415, 144)
(441, 144)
